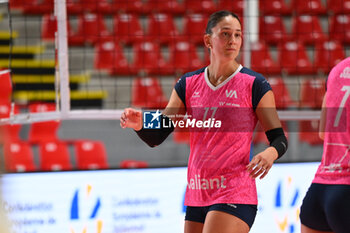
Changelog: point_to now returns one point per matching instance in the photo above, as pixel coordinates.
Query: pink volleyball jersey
(335, 164)
(219, 151)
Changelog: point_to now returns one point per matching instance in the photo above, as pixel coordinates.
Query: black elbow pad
(154, 137)
(278, 140)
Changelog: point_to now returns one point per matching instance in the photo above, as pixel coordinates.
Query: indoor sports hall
(68, 69)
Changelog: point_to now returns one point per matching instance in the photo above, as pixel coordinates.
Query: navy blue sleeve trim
(180, 86)
(260, 86)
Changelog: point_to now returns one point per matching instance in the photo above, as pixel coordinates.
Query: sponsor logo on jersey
(203, 183)
(346, 73)
(231, 93)
(196, 94)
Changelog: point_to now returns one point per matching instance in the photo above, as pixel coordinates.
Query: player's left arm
(268, 118)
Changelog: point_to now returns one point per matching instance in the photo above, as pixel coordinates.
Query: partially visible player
(221, 192)
(326, 206)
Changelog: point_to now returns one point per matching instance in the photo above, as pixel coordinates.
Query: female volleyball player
(326, 206)
(221, 193)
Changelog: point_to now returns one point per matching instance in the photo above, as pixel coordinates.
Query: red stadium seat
(43, 131)
(234, 6)
(339, 6)
(281, 92)
(91, 29)
(339, 28)
(165, 6)
(200, 6)
(126, 6)
(312, 92)
(130, 163)
(184, 57)
(308, 29)
(274, 7)
(162, 29)
(308, 132)
(38, 7)
(148, 59)
(18, 157)
(5, 86)
(74, 7)
(54, 156)
(261, 60)
(17, 4)
(10, 132)
(89, 6)
(5, 101)
(110, 57)
(90, 154)
(272, 29)
(100, 6)
(127, 28)
(327, 55)
(148, 93)
(194, 27)
(309, 7)
(294, 59)
(49, 28)
(5, 109)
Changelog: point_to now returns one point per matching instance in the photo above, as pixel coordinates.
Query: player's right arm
(132, 118)
(175, 106)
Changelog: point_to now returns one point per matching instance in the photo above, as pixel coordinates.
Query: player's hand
(261, 163)
(131, 118)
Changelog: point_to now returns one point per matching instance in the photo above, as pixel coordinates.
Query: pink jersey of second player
(219, 154)
(335, 164)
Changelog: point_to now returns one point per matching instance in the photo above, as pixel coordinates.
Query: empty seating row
(54, 156)
(53, 151)
(183, 57)
(127, 28)
(305, 28)
(162, 28)
(148, 58)
(181, 7)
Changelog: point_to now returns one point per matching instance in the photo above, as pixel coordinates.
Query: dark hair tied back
(216, 17)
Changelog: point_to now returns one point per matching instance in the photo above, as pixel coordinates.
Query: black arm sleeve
(278, 140)
(154, 137)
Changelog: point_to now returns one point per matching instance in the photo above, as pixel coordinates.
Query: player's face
(226, 38)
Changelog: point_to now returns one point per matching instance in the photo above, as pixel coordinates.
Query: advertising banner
(137, 200)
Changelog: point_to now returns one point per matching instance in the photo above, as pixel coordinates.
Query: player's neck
(219, 72)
